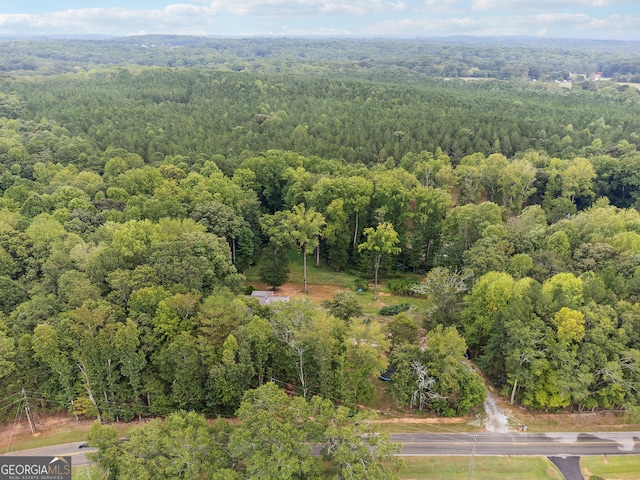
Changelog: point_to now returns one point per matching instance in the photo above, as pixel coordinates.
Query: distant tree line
(399, 60)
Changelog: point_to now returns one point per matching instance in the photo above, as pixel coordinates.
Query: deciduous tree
(381, 240)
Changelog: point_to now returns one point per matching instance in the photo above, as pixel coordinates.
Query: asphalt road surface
(73, 450)
(496, 444)
(539, 444)
(569, 466)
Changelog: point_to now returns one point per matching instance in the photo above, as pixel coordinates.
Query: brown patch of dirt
(425, 421)
(602, 421)
(11, 432)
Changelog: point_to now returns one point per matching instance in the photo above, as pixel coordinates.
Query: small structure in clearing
(267, 297)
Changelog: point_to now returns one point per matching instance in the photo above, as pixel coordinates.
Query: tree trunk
(355, 232)
(87, 387)
(303, 383)
(375, 280)
(304, 269)
(513, 392)
(318, 255)
(73, 409)
(233, 250)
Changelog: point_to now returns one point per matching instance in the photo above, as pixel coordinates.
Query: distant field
(636, 85)
(622, 467)
(480, 468)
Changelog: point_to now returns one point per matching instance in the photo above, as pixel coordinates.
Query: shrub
(402, 286)
(344, 305)
(395, 308)
(360, 285)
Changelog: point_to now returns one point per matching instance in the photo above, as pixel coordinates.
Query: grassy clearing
(482, 468)
(88, 472)
(67, 433)
(316, 275)
(619, 467)
(322, 275)
(323, 282)
(623, 467)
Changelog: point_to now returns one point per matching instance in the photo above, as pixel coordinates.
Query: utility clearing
(495, 421)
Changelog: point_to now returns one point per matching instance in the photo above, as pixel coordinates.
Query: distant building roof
(267, 297)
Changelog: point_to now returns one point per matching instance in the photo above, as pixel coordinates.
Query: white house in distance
(267, 297)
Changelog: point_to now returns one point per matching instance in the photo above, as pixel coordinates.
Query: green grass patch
(88, 472)
(27, 442)
(69, 434)
(482, 468)
(405, 427)
(322, 275)
(607, 466)
(325, 275)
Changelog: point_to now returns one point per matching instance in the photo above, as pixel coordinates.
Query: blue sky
(594, 19)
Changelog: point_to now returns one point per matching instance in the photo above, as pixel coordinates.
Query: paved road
(540, 444)
(569, 466)
(423, 444)
(77, 454)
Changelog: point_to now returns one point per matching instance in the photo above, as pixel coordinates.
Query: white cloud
(441, 3)
(197, 17)
(542, 4)
(440, 6)
(306, 7)
(177, 18)
(337, 17)
(547, 24)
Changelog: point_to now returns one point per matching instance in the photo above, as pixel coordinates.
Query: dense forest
(136, 192)
(404, 60)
